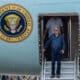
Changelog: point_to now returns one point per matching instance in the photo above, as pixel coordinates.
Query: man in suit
(57, 43)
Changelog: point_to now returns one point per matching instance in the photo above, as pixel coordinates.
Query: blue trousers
(56, 56)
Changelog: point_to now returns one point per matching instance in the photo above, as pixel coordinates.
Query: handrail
(42, 56)
(77, 65)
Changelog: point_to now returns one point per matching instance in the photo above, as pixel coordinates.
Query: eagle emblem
(12, 23)
(15, 23)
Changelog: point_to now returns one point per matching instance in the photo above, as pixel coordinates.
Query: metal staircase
(67, 71)
(70, 70)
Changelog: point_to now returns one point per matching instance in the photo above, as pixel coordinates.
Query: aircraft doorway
(68, 30)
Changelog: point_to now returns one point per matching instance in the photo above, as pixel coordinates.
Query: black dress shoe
(52, 76)
(58, 76)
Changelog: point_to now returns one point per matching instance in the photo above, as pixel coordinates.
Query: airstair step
(62, 70)
(62, 73)
(62, 66)
(59, 79)
(63, 62)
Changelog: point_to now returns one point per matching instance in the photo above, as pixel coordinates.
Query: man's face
(56, 30)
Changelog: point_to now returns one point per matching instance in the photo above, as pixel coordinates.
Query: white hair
(56, 26)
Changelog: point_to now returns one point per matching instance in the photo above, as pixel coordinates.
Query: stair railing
(42, 53)
(77, 65)
(77, 55)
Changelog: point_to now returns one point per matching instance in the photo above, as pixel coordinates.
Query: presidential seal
(15, 23)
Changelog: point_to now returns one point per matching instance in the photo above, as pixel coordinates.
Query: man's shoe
(52, 76)
(58, 76)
